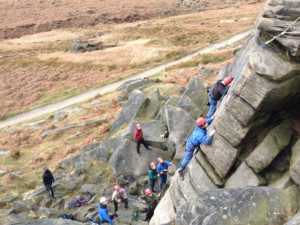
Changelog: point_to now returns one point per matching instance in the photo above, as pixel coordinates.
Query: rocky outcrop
(254, 135)
(239, 206)
(50, 222)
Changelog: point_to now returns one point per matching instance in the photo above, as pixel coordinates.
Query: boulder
(126, 161)
(180, 124)
(295, 220)
(249, 205)
(188, 105)
(244, 176)
(156, 96)
(19, 207)
(91, 188)
(295, 163)
(79, 46)
(50, 222)
(8, 199)
(132, 85)
(47, 213)
(133, 188)
(283, 182)
(111, 144)
(275, 141)
(130, 109)
(152, 131)
(220, 154)
(18, 218)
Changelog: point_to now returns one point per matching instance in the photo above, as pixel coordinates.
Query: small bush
(15, 153)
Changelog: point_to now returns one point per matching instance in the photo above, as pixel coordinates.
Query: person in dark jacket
(48, 179)
(199, 136)
(138, 137)
(152, 176)
(162, 170)
(103, 214)
(219, 89)
(151, 200)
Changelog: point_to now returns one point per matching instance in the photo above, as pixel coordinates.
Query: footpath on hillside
(111, 87)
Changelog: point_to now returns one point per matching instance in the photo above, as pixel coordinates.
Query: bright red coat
(138, 134)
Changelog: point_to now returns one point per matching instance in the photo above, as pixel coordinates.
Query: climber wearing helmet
(138, 138)
(152, 176)
(162, 170)
(219, 89)
(151, 200)
(198, 137)
(119, 195)
(104, 215)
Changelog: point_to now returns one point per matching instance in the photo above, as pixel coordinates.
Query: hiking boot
(115, 215)
(180, 175)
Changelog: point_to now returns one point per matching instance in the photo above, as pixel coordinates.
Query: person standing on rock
(151, 200)
(48, 179)
(219, 89)
(162, 170)
(119, 195)
(152, 176)
(199, 136)
(104, 215)
(138, 137)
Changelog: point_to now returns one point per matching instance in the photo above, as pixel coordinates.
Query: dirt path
(112, 87)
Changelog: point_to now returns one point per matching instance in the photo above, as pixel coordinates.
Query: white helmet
(103, 200)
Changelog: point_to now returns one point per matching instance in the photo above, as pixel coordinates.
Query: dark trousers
(116, 205)
(49, 189)
(138, 145)
(162, 181)
(149, 214)
(151, 184)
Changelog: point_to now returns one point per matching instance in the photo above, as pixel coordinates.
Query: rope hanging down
(236, 75)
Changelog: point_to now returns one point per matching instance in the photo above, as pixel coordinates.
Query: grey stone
(132, 85)
(126, 161)
(4, 152)
(47, 213)
(156, 96)
(14, 175)
(50, 222)
(220, 154)
(244, 176)
(295, 220)
(8, 198)
(2, 172)
(92, 188)
(295, 163)
(152, 131)
(18, 218)
(275, 141)
(283, 182)
(130, 109)
(188, 105)
(79, 46)
(19, 207)
(250, 205)
(180, 125)
(133, 188)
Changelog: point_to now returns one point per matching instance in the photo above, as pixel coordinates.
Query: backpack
(68, 217)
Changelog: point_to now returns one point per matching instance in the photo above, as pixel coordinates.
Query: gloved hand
(119, 200)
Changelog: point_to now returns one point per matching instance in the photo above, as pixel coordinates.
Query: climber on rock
(162, 170)
(104, 215)
(119, 195)
(151, 200)
(48, 179)
(152, 176)
(138, 138)
(220, 88)
(199, 136)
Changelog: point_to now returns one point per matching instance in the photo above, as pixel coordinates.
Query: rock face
(252, 206)
(244, 148)
(50, 222)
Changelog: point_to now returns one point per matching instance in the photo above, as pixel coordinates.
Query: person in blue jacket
(198, 137)
(162, 171)
(103, 214)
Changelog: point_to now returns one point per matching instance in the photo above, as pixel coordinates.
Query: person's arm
(206, 139)
(159, 169)
(107, 217)
(209, 121)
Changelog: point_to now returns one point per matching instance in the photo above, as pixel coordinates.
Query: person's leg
(186, 159)
(149, 214)
(151, 184)
(125, 200)
(116, 206)
(51, 191)
(48, 189)
(162, 182)
(212, 107)
(145, 144)
(138, 145)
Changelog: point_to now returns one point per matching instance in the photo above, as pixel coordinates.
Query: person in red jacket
(138, 137)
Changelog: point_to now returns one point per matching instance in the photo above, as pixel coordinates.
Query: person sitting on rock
(138, 137)
(48, 179)
(219, 89)
(152, 176)
(119, 195)
(151, 200)
(162, 170)
(104, 215)
(198, 137)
